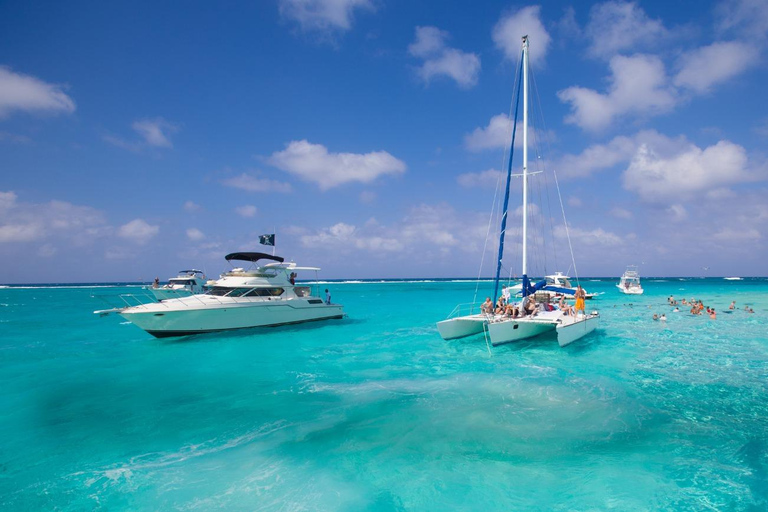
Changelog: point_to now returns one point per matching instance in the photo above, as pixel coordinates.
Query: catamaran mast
(525, 161)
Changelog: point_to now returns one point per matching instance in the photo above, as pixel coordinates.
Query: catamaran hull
(576, 327)
(189, 321)
(510, 331)
(461, 327)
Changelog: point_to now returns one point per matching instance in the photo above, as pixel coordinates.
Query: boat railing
(466, 309)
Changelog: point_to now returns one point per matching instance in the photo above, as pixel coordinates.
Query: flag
(267, 239)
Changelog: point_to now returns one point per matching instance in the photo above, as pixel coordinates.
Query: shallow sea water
(377, 412)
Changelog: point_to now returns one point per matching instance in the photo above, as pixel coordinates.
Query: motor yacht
(630, 282)
(263, 295)
(188, 282)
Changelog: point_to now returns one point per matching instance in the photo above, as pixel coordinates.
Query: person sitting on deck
(501, 306)
(487, 306)
(529, 308)
(566, 308)
(512, 311)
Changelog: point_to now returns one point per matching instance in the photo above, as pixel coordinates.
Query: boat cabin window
(181, 281)
(265, 292)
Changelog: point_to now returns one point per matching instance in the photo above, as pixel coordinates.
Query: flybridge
(252, 257)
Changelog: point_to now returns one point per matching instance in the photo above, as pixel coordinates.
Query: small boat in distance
(534, 315)
(630, 282)
(264, 295)
(188, 282)
(733, 278)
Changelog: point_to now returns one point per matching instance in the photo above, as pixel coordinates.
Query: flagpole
(274, 231)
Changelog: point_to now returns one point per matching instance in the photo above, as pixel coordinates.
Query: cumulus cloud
(638, 85)
(710, 65)
(251, 183)
(687, 170)
(323, 15)
(439, 59)
(483, 179)
(195, 234)
(313, 163)
(617, 26)
(25, 93)
(508, 32)
(594, 237)
(54, 220)
(138, 231)
(498, 133)
(247, 211)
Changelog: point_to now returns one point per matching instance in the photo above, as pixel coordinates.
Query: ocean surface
(376, 412)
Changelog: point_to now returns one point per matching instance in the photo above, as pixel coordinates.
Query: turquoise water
(377, 412)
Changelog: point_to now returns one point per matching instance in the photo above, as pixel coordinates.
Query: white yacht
(630, 282)
(261, 296)
(188, 282)
(546, 317)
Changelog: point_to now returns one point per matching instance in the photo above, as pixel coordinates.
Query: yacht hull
(182, 321)
(461, 327)
(629, 291)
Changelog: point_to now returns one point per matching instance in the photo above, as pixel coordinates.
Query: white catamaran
(568, 325)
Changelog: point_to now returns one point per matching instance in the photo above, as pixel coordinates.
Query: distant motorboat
(733, 278)
(630, 282)
(186, 283)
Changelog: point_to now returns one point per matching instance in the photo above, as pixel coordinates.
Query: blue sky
(141, 138)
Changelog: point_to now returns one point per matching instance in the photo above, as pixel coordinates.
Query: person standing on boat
(327, 296)
(580, 296)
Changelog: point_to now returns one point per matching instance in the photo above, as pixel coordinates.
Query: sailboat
(546, 318)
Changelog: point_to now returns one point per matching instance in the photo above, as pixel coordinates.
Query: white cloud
(322, 15)
(595, 237)
(439, 59)
(484, 179)
(29, 222)
(498, 133)
(686, 170)
(246, 211)
(25, 93)
(677, 212)
(744, 18)
(617, 26)
(191, 207)
(195, 234)
(138, 231)
(254, 184)
(510, 29)
(714, 64)
(621, 213)
(313, 163)
(155, 131)
(638, 85)
(737, 235)
(597, 157)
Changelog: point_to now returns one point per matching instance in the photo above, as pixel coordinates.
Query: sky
(140, 138)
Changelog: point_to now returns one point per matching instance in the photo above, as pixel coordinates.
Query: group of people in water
(697, 308)
(529, 306)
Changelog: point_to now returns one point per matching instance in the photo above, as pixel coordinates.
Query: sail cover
(252, 256)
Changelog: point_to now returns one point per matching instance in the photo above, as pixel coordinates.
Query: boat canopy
(252, 257)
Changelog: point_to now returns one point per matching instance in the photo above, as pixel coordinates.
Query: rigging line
(516, 85)
(567, 232)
